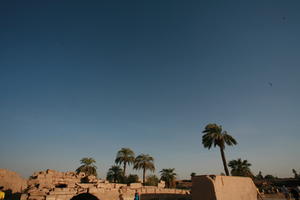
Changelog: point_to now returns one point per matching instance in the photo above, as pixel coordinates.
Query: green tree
(126, 157)
(144, 162)
(114, 174)
(169, 176)
(152, 180)
(214, 136)
(132, 178)
(88, 166)
(240, 167)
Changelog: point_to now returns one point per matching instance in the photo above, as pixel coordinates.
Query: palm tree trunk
(124, 168)
(224, 161)
(144, 173)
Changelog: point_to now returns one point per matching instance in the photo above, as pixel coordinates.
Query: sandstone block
(12, 180)
(135, 185)
(50, 197)
(223, 188)
(24, 197)
(36, 197)
(161, 184)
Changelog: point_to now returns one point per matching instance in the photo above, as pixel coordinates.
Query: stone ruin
(54, 185)
(214, 187)
(12, 181)
(50, 182)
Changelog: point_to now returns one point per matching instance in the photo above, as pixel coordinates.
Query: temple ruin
(54, 185)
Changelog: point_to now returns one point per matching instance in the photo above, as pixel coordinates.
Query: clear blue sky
(85, 78)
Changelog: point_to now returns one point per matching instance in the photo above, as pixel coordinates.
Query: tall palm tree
(87, 166)
(214, 136)
(168, 175)
(114, 174)
(125, 156)
(240, 168)
(145, 162)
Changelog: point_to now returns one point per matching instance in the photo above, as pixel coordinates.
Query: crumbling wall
(54, 185)
(223, 188)
(50, 179)
(12, 181)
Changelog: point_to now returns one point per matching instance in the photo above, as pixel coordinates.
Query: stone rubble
(54, 185)
(12, 181)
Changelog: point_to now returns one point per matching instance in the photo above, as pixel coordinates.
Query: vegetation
(126, 157)
(132, 178)
(144, 162)
(152, 180)
(88, 166)
(240, 168)
(214, 136)
(270, 177)
(193, 174)
(296, 175)
(259, 176)
(168, 175)
(115, 174)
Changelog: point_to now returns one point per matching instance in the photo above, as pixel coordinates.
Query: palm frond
(144, 161)
(125, 155)
(240, 167)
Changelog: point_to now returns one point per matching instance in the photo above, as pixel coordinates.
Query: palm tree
(145, 162)
(240, 168)
(87, 166)
(296, 175)
(114, 174)
(214, 136)
(168, 175)
(125, 156)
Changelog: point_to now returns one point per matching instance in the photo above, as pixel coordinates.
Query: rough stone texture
(54, 185)
(161, 184)
(223, 188)
(135, 185)
(12, 181)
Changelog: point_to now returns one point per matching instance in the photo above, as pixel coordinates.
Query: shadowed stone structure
(84, 196)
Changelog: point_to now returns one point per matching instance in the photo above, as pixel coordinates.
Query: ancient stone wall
(53, 185)
(12, 181)
(223, 188)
